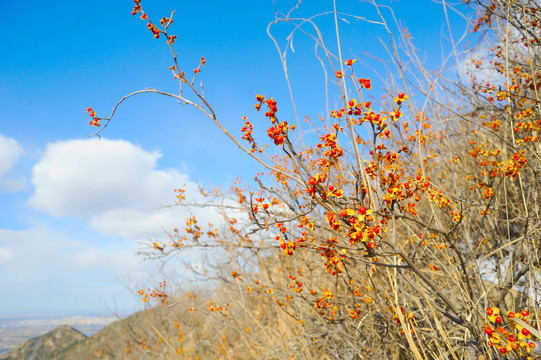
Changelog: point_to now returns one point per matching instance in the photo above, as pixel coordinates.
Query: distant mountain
(16, 329)
(163, 332)
(45, 346)
(115, 341)
(112, 342)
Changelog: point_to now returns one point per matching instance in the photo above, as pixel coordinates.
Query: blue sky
(73, 208)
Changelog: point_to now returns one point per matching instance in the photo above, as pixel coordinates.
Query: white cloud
(114, 187)
(114, 184)
(10, 152)
(110, 186)
(80, 178)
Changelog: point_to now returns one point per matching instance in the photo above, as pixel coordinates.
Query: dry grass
(390, 236)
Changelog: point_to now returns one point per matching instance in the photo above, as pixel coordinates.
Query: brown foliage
(390, 234)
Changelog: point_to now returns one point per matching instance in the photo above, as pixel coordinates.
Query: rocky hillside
(186, 328)
(45, 346)
(134, 337)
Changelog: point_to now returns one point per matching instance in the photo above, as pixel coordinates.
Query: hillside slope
(45, 346)
(134, 337)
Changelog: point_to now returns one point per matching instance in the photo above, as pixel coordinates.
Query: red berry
(489, 311)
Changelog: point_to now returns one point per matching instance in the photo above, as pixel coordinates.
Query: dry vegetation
(407, 229)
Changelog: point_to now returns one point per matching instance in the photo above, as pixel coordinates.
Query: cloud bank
(114, 183)
(103, 197)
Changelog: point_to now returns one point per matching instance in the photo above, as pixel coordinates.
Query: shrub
(405, 229)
